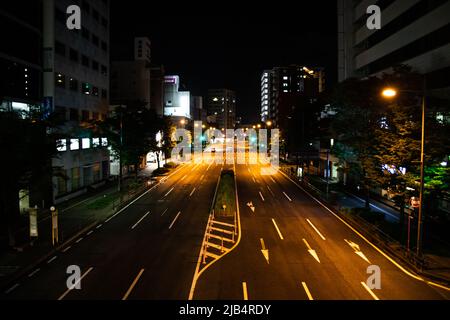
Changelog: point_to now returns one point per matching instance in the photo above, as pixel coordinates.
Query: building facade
(413, 32)
(177, 103)
(157, 74)
(76, 87)
(221, 109)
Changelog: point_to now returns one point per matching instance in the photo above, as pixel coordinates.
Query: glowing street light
(182, 122)
(269, 123)
(259, 126)
(389, 93)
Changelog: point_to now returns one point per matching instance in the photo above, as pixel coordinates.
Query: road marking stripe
(307, 291)
(272, 179)
(202, 177)
(52, 259)
(75, 284)
(99, 226)
(66, 249)
(34, 272)
(164, 212)
(374, 296)
(12, 288)
(314, 227)
(183, 177)
(125, 297)
(366, 240)
(79, 240)
(140, 220)
(278, 230)
(168, 192)
(244, 290)
(192, 192)
(270, 190)
(254, 180)
(170, 227)
(260, 194)
(89, 233)
(287, 196)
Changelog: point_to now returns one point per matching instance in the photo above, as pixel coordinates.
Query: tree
(28, 145)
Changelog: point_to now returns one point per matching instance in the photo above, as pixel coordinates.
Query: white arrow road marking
(311, 251)
(315, 229)
(251, 206)
(171, 225)
(125, 297)
(278, 230)
(262, 198)
(143, 217)
(192, 192)
(168, 192)
(358, 251)
(264, 251)
(75, 284)
(374, 296)
(290, 200)
(270, 190)
(307, 291)
(244, 290)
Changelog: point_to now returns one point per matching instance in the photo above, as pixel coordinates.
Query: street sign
(33, 222)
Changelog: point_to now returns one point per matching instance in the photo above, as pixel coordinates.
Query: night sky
(226, 45)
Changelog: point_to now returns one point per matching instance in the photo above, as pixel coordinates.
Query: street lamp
(269, 123)
(390, 93)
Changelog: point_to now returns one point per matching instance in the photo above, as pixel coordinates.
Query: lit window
(85, 143)
(74, 144)
(104, 142)
(215, 99)
(285, 91)
(96, 142)
(285, 78)
(61, 145)
(285, 84)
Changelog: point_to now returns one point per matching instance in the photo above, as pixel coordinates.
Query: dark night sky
(224, 44)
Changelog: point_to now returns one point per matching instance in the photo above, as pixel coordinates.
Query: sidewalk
(437, 262)
(75, 216)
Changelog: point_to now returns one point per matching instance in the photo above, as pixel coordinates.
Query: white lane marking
(244, 290)
(164, 212)
(52, 259)
(99, 226)
(209, 166)
(75, 284)
(125, 297)
(89, 233)
(12, 288)
(290, 200)
(278, 230)
(315, 229)
(168, 192)
(170, 227)
(262, 198)
(192, 192)
(183, 177)
(202, 177)
(311, 251)
(66, 249)
(143, 217)
(34, 272)
(307, 291)
(374, 296)
(270, 190)
(79, 240)
(366, 240)
(272, 179)
(254, 180)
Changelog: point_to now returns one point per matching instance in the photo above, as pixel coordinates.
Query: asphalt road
(291, 248)
(311, 253)
(147, 251)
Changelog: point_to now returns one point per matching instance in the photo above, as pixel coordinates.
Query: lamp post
(390, 93)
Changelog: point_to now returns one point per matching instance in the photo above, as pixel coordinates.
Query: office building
(76, 87)
(177, 104)
(157, 74)
(221, 108)
(413, 32)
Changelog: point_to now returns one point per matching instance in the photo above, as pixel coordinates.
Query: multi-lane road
(290, 247)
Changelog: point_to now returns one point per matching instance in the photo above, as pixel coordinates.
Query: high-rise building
(280, 86)
(413, 32)
(222, 108)
(76, 87)
(131, 79)
(198, 113)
